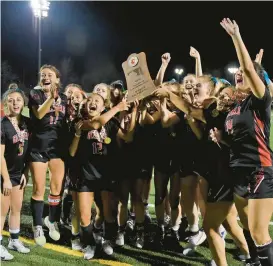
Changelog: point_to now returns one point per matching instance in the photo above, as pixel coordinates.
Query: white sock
(14, 231)
(194, 228)
(176, 227)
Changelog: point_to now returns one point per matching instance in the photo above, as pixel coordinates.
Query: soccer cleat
(76, 244)
(243, 257)
(139, 239)
(97, 234)
(120, 239)
(194, 241)
(249, 262)
(39, 236)
(172, 241)
(89, 252)
(107, 247)
(17, 245)
(53, 229)
(5, 255)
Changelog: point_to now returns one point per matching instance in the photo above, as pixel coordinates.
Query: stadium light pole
(178, 72)
(40, 10)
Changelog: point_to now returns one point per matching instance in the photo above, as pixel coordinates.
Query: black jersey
(248, 126)
(48, 130)
(16, 145)
(214, 161)
(94, 154)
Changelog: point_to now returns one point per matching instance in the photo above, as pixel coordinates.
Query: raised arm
(268, 81)
(198, 66)
(161, 72)
(101, 120)
(256, 84)
(128, 134)
(167, 118)
(181, 104)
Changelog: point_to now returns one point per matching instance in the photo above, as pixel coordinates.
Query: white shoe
(89, 252)
(39, 236)
(76, 244)
(223, 233)
(97, 234)
(212, 263)
(198, 239)
(17, 245)
(5, 255)
(120, 239)
(194, 241)
(53, 229)
(107, 247)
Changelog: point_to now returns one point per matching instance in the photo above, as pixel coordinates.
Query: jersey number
(97, 148)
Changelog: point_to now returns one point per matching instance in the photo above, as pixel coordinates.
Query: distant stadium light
(233, 70)
(179, 71)
(40, 8)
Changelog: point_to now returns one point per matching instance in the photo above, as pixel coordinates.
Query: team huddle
(205, 141)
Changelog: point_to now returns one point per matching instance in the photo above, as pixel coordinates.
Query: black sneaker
(159, 237)
(183, 229)
(171, 242)
(249, 262)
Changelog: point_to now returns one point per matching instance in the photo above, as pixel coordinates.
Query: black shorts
(96, 185)
(166, 164)
(15, 181)
(253, 183)
(45, 156)
(220, 193)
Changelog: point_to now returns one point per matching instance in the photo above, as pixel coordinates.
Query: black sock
(67, 205)
(54, 202)
(37, 208)
(265, 253)
(122, 228)
(251, 246)
(110, 231)
(73, 237)
(87, 235)
(14, 234)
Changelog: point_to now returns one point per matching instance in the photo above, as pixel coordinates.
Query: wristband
(77, 136)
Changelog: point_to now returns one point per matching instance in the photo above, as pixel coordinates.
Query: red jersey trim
(264, 153)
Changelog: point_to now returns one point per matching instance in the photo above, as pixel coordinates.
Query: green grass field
(56, 255)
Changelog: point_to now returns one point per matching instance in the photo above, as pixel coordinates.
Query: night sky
(88, 41)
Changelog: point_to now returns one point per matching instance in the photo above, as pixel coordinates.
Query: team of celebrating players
(208, 138)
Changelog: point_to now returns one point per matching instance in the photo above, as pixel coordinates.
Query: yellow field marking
(68, 251)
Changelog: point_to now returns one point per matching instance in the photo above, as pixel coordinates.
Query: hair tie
(214, 80)
(266, 77)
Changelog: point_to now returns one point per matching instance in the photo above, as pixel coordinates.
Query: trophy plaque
(138, 79)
